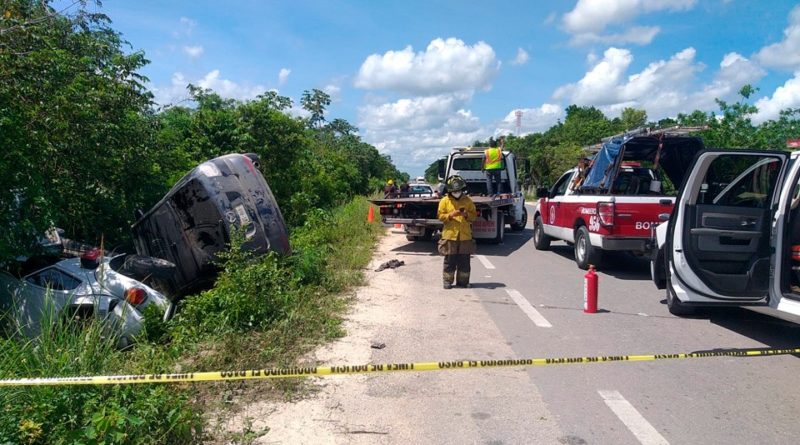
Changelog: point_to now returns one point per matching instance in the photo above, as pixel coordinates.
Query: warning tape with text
(303, 371)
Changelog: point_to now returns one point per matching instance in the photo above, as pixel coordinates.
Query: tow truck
(418, 215)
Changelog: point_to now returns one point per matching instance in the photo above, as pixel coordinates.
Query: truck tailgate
(638, 216)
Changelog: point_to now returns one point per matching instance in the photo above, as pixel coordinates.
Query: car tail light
(605, 212)
(135, 295)
(91, 259)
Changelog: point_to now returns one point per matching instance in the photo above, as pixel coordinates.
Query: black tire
(412, 237)
(501, 228)
(674, 305)
(140, 267)
(427, 236)
(541, 241)
(520, 226)
(585, 252)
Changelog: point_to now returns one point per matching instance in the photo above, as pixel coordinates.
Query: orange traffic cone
(371, 214)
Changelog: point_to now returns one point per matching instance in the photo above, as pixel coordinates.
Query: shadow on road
(513, 242)
(771, 331)
(620, 265)
(487, 285)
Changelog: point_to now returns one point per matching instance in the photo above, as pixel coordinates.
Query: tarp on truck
(674, 156)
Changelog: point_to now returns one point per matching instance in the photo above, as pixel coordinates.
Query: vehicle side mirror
(441, 169)
(542, 192)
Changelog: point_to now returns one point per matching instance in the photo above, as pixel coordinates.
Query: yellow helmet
(390, 182)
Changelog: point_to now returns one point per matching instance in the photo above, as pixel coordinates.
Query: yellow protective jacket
(460, 227)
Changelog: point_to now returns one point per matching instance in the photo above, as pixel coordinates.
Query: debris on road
(377, 345)
(391, 264)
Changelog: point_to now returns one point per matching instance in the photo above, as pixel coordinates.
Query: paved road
(715, 400)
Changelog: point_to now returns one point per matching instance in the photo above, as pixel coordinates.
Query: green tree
(632, 118)
(315, 102)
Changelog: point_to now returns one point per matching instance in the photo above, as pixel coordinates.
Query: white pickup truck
(729, 239)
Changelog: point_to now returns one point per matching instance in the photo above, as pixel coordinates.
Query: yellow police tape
(283, 373)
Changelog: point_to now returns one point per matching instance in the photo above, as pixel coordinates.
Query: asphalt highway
(714, 400)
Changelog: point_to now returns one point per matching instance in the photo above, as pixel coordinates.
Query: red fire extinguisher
(590, 291)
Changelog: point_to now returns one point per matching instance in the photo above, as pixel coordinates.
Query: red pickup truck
(616, 202)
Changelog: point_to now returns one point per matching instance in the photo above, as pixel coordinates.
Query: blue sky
(418, 77)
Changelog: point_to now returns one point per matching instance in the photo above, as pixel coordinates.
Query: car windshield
(421, 189)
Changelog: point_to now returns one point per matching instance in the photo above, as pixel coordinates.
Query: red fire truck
(615, 199)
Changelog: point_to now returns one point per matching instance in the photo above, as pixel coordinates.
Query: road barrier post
(371, 214)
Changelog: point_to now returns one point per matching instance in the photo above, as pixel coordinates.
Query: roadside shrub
(147, 414)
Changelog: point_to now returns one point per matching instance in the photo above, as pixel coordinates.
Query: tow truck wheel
(540, 239)
(501, 228)
(585, 252)
(520, 225)
(674, 305)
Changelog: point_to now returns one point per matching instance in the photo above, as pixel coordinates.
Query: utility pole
(518, 114)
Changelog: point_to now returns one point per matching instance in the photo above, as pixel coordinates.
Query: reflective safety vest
(493, 159)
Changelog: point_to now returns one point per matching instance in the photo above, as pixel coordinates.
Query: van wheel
(501, 228)
(519, 226)
(585, 252)
(674, 305)
(541, 241)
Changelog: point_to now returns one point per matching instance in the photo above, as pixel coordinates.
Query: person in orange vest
(457, 212)
(493, 164)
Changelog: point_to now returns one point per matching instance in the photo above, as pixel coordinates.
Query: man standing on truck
(457, 212)
(389, 191)
(493, 167)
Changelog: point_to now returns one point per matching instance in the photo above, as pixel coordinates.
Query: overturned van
(196, 219)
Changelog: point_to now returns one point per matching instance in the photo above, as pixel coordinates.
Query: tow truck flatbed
(480, 201)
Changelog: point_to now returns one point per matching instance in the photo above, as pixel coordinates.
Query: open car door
(718, 247)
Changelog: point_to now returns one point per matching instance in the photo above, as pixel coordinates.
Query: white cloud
(786, 53)
(416, 131)
(185, 27)
(785, 96)
(334, 91)
(283, 75)
(193, 51)
(176, 91)
(521, 57)
(533, 120)
(445, 66)
(663, 88)
(637, 35)
(590, 18)
(594, 16)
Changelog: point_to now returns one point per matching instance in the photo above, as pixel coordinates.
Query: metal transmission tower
(518, 114)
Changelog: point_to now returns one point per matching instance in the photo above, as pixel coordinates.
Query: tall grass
(262, 311)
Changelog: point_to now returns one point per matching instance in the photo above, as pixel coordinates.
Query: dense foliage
(83, 148)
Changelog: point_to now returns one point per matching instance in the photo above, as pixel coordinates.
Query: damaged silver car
(90, 286)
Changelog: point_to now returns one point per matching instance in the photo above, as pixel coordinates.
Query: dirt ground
(407, 310)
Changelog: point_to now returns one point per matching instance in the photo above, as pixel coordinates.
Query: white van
(729, 239)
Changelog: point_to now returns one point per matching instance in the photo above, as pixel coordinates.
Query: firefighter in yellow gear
(457, 212)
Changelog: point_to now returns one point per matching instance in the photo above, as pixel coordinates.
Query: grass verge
(265, 311)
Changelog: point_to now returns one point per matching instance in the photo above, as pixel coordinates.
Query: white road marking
(529, 310)
(635, 422)
(485, 261)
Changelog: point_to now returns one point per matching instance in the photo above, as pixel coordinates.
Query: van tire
(141, 267)
(585, 253)
(541, 241)
(519, 226)
(674, 305)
